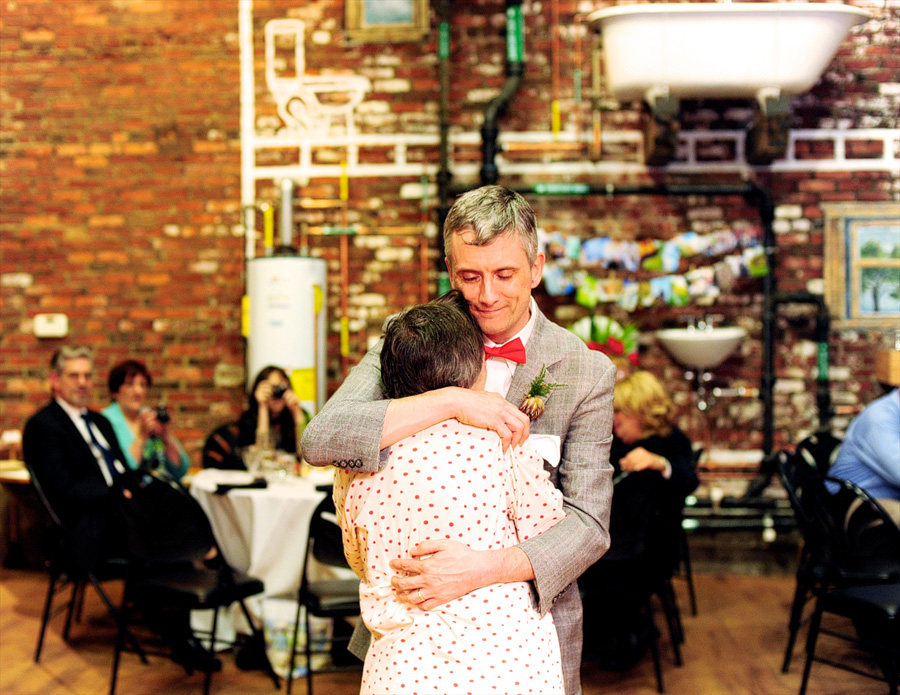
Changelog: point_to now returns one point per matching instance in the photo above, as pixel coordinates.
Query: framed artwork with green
(862, 264)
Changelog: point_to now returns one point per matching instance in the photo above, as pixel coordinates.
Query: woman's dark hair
(261, 377)
(124, 372)
(287, 435)
(431, 346)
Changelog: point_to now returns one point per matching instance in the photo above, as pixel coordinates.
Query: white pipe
(248, 127)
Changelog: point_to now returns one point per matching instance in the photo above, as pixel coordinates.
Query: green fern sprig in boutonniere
(538, 391)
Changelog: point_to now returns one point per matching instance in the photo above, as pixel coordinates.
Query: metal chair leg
(689, 575)
(654, 646)
(290, 675)
(207, 680)
(309, 671)
(75, 605)
(800, 597)
(670, 611)
(814, 625)
(45, 617)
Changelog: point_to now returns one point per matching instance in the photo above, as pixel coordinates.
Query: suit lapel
(74, 433)
(541, 351)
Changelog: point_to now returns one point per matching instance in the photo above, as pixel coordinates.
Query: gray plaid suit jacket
(347, 434)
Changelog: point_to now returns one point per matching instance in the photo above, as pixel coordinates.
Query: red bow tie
(513, 350)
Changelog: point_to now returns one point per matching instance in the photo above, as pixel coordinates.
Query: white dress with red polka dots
(451, 481)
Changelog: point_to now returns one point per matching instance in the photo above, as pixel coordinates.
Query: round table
(263, 532)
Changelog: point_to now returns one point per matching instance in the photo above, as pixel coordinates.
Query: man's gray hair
(66, 352)
(431, 346)
(490, 212)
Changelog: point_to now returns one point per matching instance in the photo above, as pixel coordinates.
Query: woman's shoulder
(114, 414)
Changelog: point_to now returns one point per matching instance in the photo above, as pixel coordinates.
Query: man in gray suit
(490, 240)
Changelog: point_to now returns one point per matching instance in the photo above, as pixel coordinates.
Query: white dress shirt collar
(77, 416)
(75, 413)
(500, 370)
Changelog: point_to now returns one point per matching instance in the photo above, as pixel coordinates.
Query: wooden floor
(733, 647)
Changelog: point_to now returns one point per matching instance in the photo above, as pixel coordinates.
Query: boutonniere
(533, 405)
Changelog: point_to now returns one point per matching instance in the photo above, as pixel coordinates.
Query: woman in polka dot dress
(449, 481)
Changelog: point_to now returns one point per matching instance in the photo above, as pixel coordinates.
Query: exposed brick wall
(121, 193)
(121, 196)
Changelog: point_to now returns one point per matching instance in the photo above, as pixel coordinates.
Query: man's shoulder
(569, 347)
(50, 412)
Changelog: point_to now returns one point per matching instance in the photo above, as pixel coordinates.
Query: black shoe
(628, 650)
(193, 656)
(250, 655)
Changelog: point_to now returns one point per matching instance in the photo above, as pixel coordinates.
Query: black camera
(278, 390)
(162, 414)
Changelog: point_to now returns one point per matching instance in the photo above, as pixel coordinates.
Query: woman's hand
(263, 392)
(148, 423)
(639, 459)
(440, 571)
(492, 411)
(292, 401)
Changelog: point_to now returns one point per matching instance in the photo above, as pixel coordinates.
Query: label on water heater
(303, 383)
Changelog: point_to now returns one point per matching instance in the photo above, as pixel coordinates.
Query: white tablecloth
(262, 531)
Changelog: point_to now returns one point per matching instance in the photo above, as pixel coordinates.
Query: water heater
(286, 323)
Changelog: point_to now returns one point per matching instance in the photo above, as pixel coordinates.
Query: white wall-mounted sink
(701, 348)
(720, 50)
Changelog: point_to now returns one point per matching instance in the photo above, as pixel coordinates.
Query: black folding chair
(333, 598)
(819, 451)
(817, 569)
(169, 537)
(67, 568)
(859, 542)
(684, 546)
(795, 471)
(640, 562)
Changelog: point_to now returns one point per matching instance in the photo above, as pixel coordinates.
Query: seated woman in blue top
(143, 432)
(870, 454)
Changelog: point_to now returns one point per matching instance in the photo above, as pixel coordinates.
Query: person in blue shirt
(870, 453)
(143, 432)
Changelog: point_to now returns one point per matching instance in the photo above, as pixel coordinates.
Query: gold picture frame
(386, 21)
(862, 264)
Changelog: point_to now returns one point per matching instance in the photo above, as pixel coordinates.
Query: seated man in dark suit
(74, 454)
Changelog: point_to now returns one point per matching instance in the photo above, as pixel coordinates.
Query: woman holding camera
(143, 432)
(274, 417)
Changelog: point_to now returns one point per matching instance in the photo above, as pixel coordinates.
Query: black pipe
(443, 175)
(767, 215)
(823, 393)
(515, 68)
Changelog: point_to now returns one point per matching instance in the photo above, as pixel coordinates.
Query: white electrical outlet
(51, 325)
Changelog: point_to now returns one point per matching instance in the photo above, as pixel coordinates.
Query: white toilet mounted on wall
(312, 103)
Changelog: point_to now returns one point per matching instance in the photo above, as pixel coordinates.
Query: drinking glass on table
(253, 458)
(280, 466)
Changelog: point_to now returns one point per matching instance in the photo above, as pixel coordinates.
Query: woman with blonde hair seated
(654, 472)
(646, 437)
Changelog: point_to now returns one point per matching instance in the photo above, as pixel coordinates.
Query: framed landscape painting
(386, 21)
(862, 264)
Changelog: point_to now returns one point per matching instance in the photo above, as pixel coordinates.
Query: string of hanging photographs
(739, 251)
